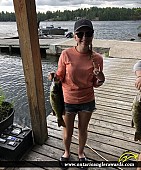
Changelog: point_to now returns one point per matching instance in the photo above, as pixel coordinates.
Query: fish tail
(137, 136)
(61, 122)
(132, 123)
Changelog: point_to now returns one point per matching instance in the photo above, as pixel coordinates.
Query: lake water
(13, 85)
(11, 70)
(118, 30)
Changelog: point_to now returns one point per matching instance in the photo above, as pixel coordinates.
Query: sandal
(64, 159)
(84, 159)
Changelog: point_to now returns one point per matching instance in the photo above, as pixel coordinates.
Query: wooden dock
(110, 133)
(12, 46)
(54, 46)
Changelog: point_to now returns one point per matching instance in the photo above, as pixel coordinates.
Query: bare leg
(83, 118)
(67, 132)
(139, 159)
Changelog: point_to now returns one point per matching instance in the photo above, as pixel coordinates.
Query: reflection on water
(13, 84)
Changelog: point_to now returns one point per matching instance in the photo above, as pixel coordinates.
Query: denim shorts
(75, 108)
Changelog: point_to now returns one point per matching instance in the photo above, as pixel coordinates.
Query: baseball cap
(83, 23)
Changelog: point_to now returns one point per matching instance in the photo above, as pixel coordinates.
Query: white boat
(51, 30)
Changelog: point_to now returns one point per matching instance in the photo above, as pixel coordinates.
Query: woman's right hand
(53, 75)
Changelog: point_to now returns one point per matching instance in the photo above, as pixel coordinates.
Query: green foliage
(5, 107)
(93, 13)
(2, 97)
(106, 54)
(6, 16)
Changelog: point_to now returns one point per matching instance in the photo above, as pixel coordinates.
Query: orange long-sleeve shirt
(76, 73)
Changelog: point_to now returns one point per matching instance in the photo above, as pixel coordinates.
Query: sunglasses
(87, 34)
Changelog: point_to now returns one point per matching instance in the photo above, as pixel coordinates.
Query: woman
(79, 70)
(137, 70)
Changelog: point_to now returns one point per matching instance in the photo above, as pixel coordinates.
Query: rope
(97, 153)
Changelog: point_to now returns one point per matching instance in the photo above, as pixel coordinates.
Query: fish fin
(137, 136)
(61, 122)
(132, 123)
(63, 113)
(53, 113)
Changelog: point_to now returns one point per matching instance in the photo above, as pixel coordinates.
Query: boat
(51, 30)
(139, 34)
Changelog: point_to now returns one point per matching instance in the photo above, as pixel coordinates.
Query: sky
(53, 5)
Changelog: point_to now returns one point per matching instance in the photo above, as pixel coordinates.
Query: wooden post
(26, 18)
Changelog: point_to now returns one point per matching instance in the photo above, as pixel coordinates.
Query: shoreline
(114, 48)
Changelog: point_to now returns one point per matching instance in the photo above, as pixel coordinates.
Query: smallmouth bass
(136, 116)
(57, 101)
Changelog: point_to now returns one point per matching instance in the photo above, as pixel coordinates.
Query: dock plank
(107, 136)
